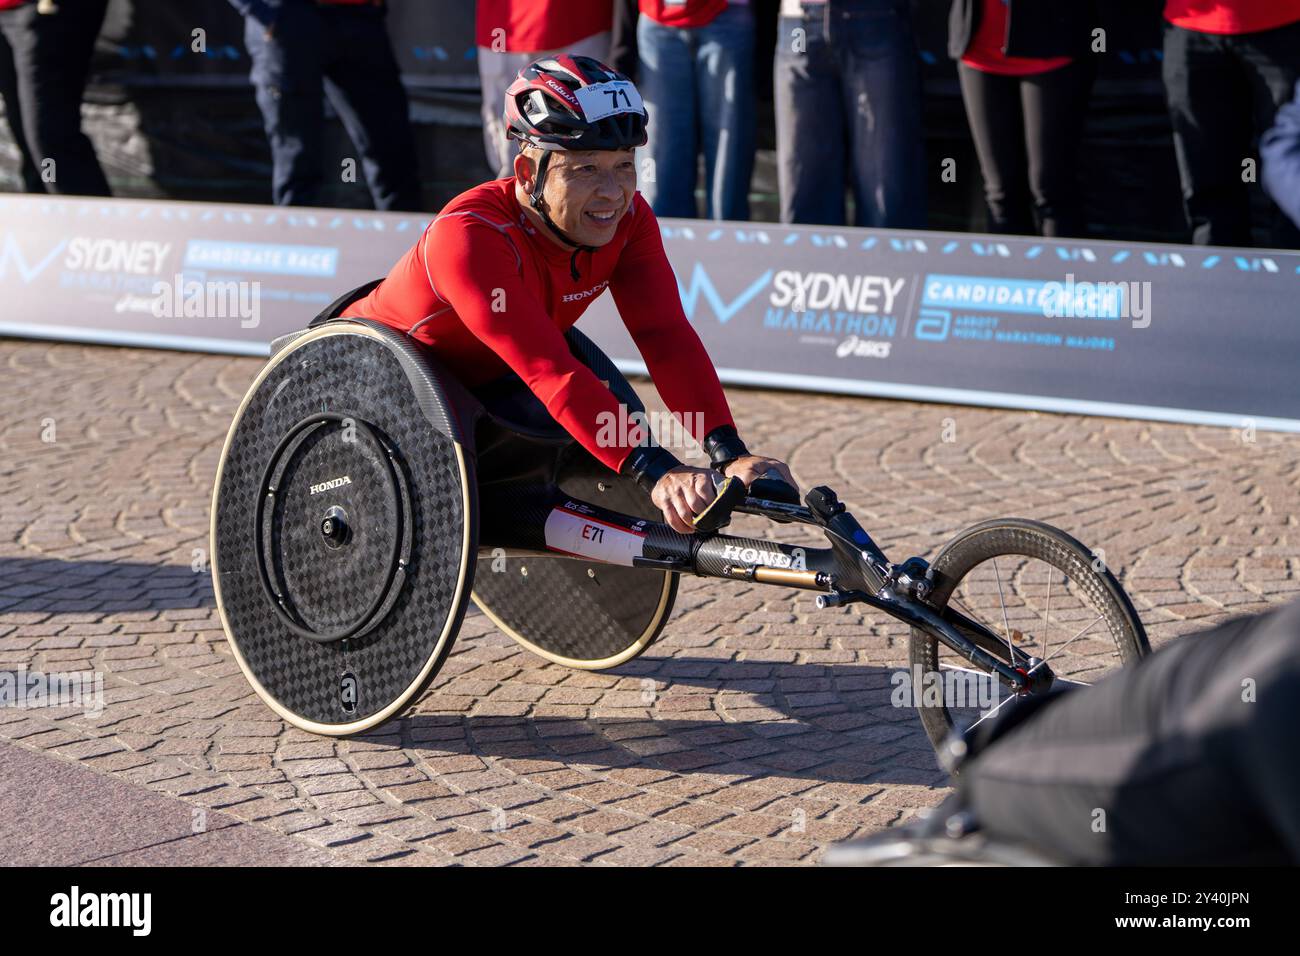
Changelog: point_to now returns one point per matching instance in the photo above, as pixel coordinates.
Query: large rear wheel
(344, 524)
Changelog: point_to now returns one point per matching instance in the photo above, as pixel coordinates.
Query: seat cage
(518, 460)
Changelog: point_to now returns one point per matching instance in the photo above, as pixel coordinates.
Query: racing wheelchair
(365, 496)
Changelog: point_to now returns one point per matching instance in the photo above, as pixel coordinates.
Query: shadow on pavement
(823, 722)
(58, 586)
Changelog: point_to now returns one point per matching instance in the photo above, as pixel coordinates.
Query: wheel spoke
(964, 670)
(963, 609)
(1077, 612)
(1047, 618)
(998, 684)
(1100, 617)
(993, 710)
(1069, 682)
(1011, 653)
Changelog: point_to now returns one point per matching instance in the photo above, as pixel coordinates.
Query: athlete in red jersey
(508, 266)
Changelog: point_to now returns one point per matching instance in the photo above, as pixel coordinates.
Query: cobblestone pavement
(771, 735)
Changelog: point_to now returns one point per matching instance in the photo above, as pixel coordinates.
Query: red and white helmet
(574, 102)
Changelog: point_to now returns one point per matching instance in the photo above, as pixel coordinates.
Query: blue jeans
(345, 53)
(698, 89)
(848, 104)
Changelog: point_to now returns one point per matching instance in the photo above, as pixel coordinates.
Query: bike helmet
(546, 107)
(543, 107)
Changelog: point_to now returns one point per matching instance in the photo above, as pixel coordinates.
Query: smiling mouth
(604, 218)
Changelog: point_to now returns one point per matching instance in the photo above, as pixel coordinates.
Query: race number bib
(590, 537)
(607, 99)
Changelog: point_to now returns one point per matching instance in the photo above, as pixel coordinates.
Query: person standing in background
(1229, 65)
(1279, 153)
(623, 55)
(696, 74)
(847, 81)
(301, 48)
(43, 73)
(510, 34)
(1026, 74)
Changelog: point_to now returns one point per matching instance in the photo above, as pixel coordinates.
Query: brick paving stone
(391, 777)
(715, 842)
(581, 847)
(335, 834)
(770, 733)
(638, 856)
(777, 851)
(699, 859)
(417, 792)
(296, 822)
(604, 821)
(499, 854)
(458, 842)
(337, 803)
(655, 833)
(412, 829)
(89, 749)
(334, 783)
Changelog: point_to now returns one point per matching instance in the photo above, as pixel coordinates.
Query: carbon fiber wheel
(1040, 591)
(581, 614)
(343, 524)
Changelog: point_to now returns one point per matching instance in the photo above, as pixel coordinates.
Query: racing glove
(646, 464)
(723, 446)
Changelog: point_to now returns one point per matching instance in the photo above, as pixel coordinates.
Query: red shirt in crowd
(533, 25)
(491, 295)
(1231, 16)
(683, 14)
(985, 50)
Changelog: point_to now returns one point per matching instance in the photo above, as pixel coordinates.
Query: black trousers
(1223, 92)
(343, 53)
(1190, 757)
(509, 398)
(1028, 131)
(44, 64)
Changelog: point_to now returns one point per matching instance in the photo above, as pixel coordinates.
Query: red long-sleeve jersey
(491, 295)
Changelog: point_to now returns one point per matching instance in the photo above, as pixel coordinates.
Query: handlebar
(774, 498)
(863, 575)
(731, 493)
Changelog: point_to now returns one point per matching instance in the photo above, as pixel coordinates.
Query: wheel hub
(333, 528)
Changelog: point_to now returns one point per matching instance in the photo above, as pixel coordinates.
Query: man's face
(586, 193)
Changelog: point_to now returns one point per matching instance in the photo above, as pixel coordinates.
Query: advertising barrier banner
(1173, 333)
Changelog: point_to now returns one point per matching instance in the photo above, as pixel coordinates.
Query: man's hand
(681, 494)
(749, 467)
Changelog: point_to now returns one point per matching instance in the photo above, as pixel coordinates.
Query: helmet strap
(535, 200)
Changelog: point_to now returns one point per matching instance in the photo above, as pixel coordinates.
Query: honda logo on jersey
(591, 293)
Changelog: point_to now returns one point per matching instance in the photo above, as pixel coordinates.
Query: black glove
(723, 446)
(646, 464)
